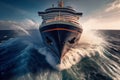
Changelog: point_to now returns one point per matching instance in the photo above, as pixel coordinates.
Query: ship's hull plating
(60, 38)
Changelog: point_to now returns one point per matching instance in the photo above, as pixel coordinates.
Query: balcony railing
(62, 18)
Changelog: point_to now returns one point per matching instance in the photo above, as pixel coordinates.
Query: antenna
(61, 3)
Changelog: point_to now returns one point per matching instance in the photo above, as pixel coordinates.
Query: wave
(26, 57)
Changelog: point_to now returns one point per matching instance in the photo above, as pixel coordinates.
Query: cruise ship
(60, 29)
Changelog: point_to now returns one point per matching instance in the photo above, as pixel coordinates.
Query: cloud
(113, 6)
(108, 18)
(13, 8)
(14, 25)
(101, 24)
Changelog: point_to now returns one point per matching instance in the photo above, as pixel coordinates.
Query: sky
(97, 14)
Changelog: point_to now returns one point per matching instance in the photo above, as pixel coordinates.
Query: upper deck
(60, 13)
(58, 9)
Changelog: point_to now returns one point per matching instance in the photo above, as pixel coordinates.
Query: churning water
(95, 57)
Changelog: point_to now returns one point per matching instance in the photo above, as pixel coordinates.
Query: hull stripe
(57, 29)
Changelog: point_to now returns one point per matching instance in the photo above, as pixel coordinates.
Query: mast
(61, 4)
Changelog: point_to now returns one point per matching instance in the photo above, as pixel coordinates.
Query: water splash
(99, 52)
(43, 76)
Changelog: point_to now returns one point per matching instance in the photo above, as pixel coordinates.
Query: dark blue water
(24, 57)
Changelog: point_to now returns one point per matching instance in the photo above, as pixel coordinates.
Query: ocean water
(23, 56)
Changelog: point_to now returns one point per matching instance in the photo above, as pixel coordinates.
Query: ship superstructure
(60, 28)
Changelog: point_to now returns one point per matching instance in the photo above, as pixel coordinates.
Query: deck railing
(63, 18)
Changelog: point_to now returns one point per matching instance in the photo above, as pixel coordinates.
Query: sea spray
(100, 62)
